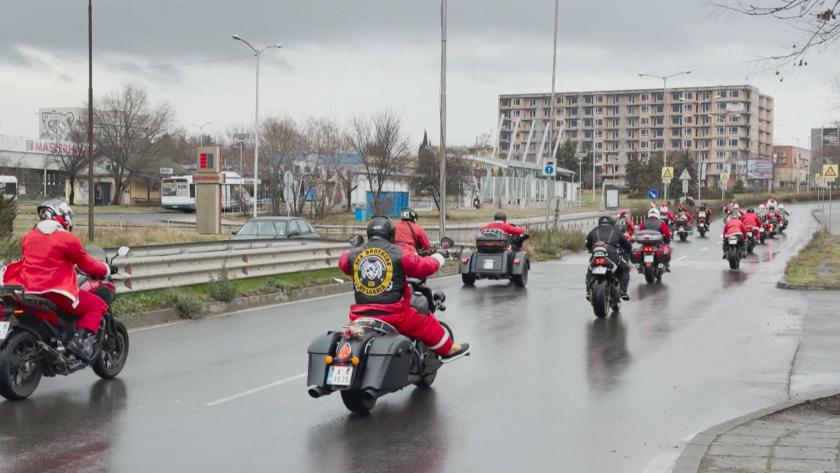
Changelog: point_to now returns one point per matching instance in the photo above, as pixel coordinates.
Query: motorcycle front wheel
(600, 301)
(17, 383)
(114, 353)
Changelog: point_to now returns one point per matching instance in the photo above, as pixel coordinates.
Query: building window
(687, 107)
(587, 134)
(720, 130)
(733, 154)
(533, 102)
(687, 132)
(516, 102)
(659, 121)
(506, 136)
(721, 143)
(505, 146)
(658, 109)
(573, 100)
(676, 121)
(686, 144)
(734, 118)
(573, 112)
(676, 95)
(688, 120)
(721, 94)
(559, 100)
(676, 108)
(646, 132)
(733, 143)
(704, 156)
(599, 98)
(573, 123)
(587, 99)
(719, 166)
(733, 130)
(516, 113)
(646, 155)
(734, 94)
(689, 95)
(631, 98)
(706, 96)
(658, 144)
(516, 146)
(587, 111)
(573, 135)
(721, 118)
(675, 131)
(720, 155)
(599, 122)
(631, 110)
(721, 106)
(631, 122)
(660, 97)
(561, 112)
(559, 123)
(587, 122)
(706, 145)
(505, 102)
(645, 97)
(599, 133)
(645, 108)
(645, 144)
(599, 111)
(645, 121)
(599, 145)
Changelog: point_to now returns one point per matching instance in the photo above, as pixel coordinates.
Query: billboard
(761, 169)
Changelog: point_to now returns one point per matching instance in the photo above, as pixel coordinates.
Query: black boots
(81, 345)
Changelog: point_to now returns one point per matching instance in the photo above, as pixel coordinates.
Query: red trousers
(90, 309)
(412, 324)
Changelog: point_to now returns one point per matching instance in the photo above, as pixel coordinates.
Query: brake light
(465, 260)
(600, 261)
(648, 249)
(344, 353)
(658, 254)
(638, 254)
(516, 261)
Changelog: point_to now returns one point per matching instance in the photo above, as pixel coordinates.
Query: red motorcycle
(35, 346)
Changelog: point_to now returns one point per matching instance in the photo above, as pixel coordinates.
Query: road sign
(685, 176)
(667, 173)
(549, 167)
(829, 172)
(724, 176)
(685, 186)
(653, 194)
(580, 155)
(167, 171)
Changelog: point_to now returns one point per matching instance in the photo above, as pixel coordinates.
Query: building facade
(792, 166)
(721, 126)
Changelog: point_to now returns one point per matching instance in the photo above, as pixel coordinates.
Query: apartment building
(792, 166)
(719, 125)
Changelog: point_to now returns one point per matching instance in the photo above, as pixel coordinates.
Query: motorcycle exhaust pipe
(50, 354)
(318, 391)
(636, 265)
(661, 266)
(371, 394)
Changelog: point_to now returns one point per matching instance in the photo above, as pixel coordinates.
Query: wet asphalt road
(548, 388)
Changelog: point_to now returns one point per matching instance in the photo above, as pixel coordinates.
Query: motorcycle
(751, 240)
(496, 256)
(702, 225)
(683, 229)
(35, 346)
(606, 291)
(772, 227)
(647, 256)
(369, 358)
(734, 252)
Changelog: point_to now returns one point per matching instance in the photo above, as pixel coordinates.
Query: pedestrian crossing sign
(667, 173)
(829, 172)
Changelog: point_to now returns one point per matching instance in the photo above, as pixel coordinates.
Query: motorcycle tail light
(465, 260)
(328, 360)
(516, 261)
(599, 261)
(658, 254)
(638, 254)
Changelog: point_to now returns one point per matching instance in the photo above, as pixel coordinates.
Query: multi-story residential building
(720, 125)
(792, 166)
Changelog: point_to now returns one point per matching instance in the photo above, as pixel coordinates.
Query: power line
(158, 66)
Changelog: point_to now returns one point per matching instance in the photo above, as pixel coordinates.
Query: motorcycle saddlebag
(320, 347)
(387, 363)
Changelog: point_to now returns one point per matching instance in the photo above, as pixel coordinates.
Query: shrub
(552, 241)
(187, 303)
(222, 287)
(283, 286)
(126, 308)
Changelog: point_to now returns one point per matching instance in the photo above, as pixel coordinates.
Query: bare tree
(71, 156)
(284, 143)
(459, 172)
(129, 131)
(329, 148)
(384, 147)
(815, 20)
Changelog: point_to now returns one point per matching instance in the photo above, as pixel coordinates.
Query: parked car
(276, 228)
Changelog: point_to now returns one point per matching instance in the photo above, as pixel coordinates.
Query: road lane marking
(704, 249)
(682, 258)
(255, 390)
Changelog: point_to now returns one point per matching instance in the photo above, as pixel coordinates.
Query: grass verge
(818, 264)
(548, 244)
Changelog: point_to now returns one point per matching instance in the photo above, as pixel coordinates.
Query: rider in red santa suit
(501, 224)
(751, 222)
(733, 226)
(410, 236)
(51, 254)
(379, 269)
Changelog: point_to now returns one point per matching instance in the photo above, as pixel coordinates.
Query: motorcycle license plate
(488, 264)
(4, 329)
(761, 230)
(733, 241)
(340, 375)
(648, 258)
(599, 270)
(682, 229)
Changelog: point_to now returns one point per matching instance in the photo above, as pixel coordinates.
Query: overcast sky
(343, 57)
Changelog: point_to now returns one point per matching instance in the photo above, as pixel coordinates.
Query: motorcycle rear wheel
(649, 277)
(521, 279)
(15, 385)
(702, 234)
(683, 236)
(355, 401)
(111, 363)
(468, 279)
(733, 258)
(600, 301)
(762, 238)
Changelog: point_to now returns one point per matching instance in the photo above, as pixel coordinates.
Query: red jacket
(412, 266)
(751, 220)
(733, 225)
(629, 223)
(505, 227)
(50, 257)
(687, 214)
(667, 214)
(411, 236)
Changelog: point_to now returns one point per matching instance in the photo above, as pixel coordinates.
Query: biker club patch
(372, 271)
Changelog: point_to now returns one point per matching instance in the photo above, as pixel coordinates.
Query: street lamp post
(257, 53)
(201, 132)
(91, 200)
(665, 105)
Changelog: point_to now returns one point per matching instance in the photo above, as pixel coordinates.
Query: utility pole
(90, 122)
(552, 182)
(443, 118)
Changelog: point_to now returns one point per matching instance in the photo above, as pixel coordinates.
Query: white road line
(483, 319)
(704, 249)
(255, 390)
(682, 258)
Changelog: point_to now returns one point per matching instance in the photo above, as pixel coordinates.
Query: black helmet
(750, 211)
(500, 217)
(381, 226)
(605, 220)
(408, 215)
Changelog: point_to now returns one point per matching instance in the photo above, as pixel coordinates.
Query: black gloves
(443, 252)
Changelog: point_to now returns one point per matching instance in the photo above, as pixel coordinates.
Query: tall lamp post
(443, 10)
(257, 53)
(665, 105)
(90, 121)
(201, 132)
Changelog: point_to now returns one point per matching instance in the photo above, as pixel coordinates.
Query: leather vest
(652, 224)
(378, 276)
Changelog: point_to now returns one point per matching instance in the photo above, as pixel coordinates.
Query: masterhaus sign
(212, 178)
(30, 145)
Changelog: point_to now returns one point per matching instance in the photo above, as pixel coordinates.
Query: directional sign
(653, 194)
(667, 173)
(549, 167)
(685, 186)
(685, 176)
(724, 176)
(829, 172)
(580, 155)
(817, 178)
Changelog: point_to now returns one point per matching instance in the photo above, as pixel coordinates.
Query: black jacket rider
(609, 235)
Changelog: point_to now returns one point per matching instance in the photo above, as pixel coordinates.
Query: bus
(178, 193)
(8, 187)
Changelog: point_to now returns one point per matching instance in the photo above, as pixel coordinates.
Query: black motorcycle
(682, 228)
(647, 257)
(735, 251)
(369, 358)
(497, 256)
(606, 290)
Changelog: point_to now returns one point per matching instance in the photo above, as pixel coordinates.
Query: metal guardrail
(142, 271)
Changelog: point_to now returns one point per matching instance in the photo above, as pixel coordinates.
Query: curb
(689, 460)
(164, 316)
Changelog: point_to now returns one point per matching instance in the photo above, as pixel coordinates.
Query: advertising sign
(760, 169)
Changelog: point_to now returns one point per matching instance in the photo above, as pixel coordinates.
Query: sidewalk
(801, 438)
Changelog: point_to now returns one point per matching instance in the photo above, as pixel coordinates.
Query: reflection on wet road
(548, 388)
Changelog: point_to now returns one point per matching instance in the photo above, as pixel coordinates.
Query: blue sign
(653, 194)
(549, 170)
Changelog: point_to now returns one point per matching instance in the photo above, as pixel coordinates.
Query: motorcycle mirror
(447, 243)
(122, 251)
(356, 240)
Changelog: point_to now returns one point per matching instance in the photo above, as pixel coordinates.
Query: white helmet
(761, 207)
(781, 206)
(58, 211)
(736, 207)
(653, 213)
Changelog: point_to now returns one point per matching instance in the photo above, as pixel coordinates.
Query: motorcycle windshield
(96, 252)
